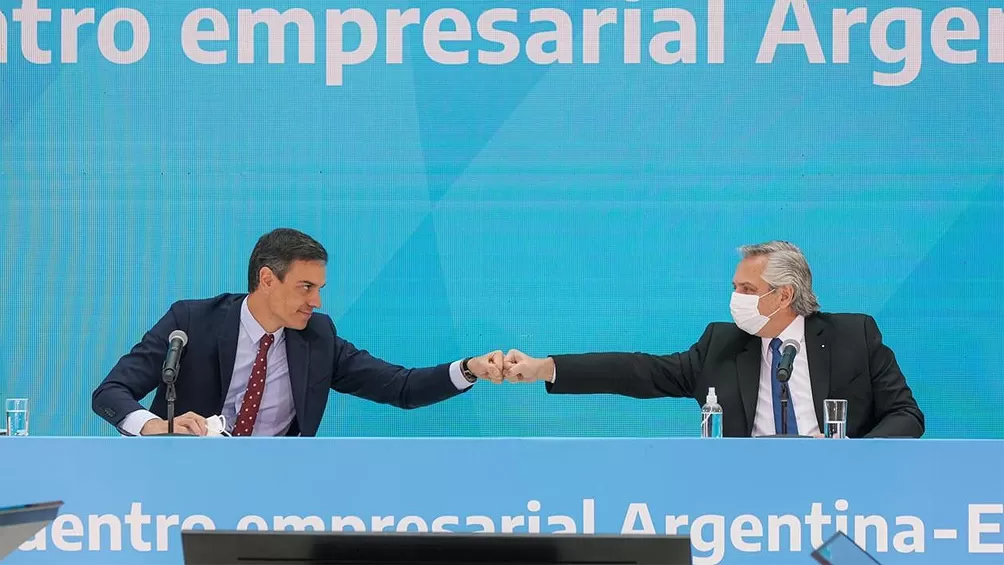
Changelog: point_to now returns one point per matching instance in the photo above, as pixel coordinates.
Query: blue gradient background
(555, 209)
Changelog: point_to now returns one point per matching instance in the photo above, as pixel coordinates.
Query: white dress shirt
(276, 412)
(799, 386)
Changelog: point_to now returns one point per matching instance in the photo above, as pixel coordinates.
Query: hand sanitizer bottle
(711, 416)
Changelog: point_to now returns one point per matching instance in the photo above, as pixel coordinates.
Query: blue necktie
(775, 362)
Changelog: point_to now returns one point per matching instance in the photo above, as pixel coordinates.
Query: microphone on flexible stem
(789, 349)
(169, 373)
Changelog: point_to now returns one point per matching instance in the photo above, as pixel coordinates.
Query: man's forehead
(308, 271)
(750, 269)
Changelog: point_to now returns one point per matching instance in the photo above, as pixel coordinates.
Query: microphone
(169, 373)
(177, 342)
(789, 349)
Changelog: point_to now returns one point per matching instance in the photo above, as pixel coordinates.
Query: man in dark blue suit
(265, 360)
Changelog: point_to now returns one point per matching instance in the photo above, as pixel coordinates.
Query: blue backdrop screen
(553, 176)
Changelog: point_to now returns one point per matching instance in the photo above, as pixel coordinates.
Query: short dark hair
(278, 249)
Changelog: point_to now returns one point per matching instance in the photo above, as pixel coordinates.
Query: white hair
(786, 266)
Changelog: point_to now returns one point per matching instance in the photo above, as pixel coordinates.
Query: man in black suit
(265, 360)
(841, 357)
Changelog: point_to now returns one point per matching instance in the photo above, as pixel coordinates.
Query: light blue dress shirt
(276, 411)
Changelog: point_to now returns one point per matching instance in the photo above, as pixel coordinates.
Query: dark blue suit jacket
(319, 360)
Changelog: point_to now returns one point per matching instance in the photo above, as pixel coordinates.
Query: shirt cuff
(458, 378)
(134, 422)
(554, 374)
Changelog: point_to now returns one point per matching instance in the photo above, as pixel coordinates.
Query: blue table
(755, 501)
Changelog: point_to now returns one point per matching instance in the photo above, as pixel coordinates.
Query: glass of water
(835, 418)
(17, 416)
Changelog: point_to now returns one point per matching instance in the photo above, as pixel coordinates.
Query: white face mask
(216, 426)
(746, 312)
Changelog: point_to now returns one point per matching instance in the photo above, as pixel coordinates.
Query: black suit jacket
(319, 360)
(847, 360)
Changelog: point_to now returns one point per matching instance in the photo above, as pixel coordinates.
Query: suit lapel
(227, 347)
(748, 365)
(819, 363)
(297, 354)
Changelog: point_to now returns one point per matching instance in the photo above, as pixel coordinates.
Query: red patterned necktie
(256, 386)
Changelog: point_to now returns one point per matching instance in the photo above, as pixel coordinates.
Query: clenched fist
(488, 366)
(518, 367)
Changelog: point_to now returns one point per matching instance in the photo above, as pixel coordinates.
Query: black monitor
(19, 523)
(377, 548)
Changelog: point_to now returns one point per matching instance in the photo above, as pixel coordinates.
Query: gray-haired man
(841, 356)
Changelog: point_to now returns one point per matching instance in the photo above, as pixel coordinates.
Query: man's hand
(189, 423)
(521, 368)
(488, 366)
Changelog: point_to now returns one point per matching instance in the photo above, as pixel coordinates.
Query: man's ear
(787, 296)
(266, 278)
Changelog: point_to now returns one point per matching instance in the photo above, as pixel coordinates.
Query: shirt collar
(253, 328)
(795, 331)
